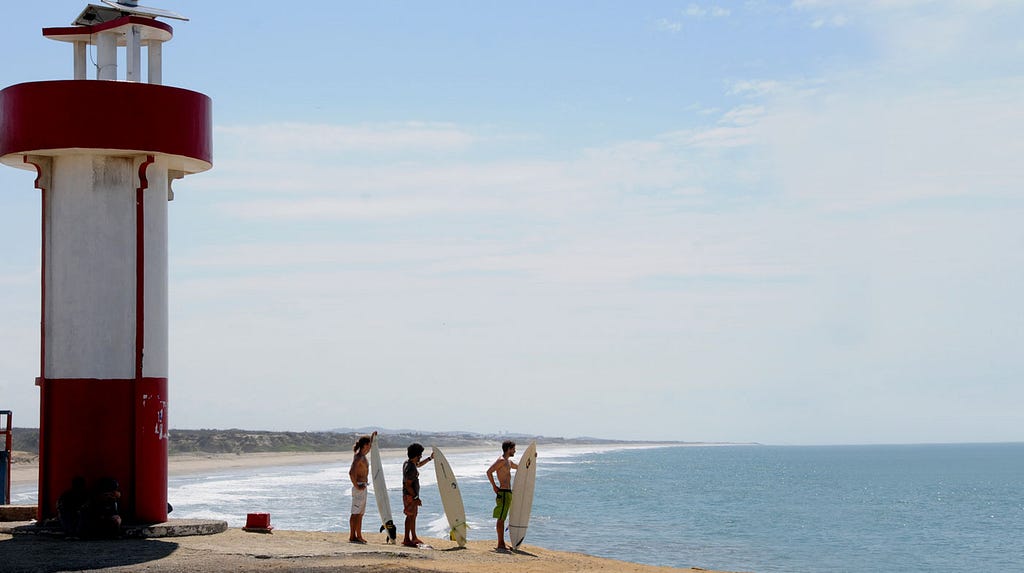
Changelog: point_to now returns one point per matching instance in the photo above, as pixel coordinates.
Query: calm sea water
(740, 508)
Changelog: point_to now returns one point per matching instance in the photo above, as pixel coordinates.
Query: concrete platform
(169, 528)
(17, 512)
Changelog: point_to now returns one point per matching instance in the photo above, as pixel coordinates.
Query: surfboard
(451, 498)
(522, 496)
(380, 493)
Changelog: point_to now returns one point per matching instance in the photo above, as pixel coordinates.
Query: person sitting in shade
(100, 516)
(69, 506)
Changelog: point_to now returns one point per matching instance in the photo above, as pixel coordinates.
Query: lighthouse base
(105, 428)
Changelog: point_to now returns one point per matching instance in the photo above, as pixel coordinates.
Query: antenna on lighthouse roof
(132, 7)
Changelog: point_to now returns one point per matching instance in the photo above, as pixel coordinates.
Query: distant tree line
(24, 440)
(235, 441)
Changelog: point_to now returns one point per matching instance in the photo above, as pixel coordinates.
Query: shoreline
(26, 473)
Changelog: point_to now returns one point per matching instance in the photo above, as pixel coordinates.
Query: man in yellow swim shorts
(502, 468)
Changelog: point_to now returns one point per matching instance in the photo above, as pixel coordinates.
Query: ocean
(912, 508)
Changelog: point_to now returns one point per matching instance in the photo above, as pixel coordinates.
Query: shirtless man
(359, 473)
(502, 467)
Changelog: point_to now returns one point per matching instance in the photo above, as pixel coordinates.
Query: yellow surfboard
(451, 498)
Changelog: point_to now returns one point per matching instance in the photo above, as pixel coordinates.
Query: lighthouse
(105, 147)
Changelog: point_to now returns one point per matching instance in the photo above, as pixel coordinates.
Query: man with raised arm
(359, 473)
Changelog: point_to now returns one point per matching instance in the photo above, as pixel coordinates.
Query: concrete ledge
(17, 512)
(170, 528)
(176, 528)
(15, 527)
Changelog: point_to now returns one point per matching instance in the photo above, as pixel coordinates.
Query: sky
(791, 222)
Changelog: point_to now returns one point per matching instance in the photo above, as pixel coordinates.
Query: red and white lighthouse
(105, 151)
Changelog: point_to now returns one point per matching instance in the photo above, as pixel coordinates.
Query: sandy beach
(27, 472)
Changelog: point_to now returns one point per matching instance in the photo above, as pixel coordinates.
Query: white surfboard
(522, 496)
(451, 498)
(380, 493)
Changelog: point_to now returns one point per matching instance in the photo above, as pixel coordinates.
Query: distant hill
(24, 440)
(339, 440)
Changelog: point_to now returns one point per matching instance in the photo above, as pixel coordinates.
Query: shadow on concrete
(46, 554)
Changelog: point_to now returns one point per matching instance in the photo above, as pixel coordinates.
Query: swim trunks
(503, 503)
(411, 505)
(411, 488)
(358, 501)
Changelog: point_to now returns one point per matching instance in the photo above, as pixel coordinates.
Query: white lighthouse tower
(106, 149)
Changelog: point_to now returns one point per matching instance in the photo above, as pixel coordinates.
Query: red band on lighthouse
(46, 118)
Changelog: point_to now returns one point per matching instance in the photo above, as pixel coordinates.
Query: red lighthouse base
(105, 428)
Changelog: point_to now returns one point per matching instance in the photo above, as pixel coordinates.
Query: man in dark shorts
(411, 492)
(502, 467)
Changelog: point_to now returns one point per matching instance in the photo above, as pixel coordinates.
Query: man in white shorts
(359, 473)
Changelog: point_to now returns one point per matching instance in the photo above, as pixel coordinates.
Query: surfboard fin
(391, 529)
(451, 532)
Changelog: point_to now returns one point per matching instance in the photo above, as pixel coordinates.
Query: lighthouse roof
(151, 30)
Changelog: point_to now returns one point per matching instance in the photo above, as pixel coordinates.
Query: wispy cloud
(698, 11)
(833, 21)
(840, 148)
(743, 115)
(285, 183)
(301, 138)
(666, 25)
(921, 30)
(692, 11)
(860, 151)
(755, 87)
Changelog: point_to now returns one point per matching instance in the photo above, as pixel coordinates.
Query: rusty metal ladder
(5, 457)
